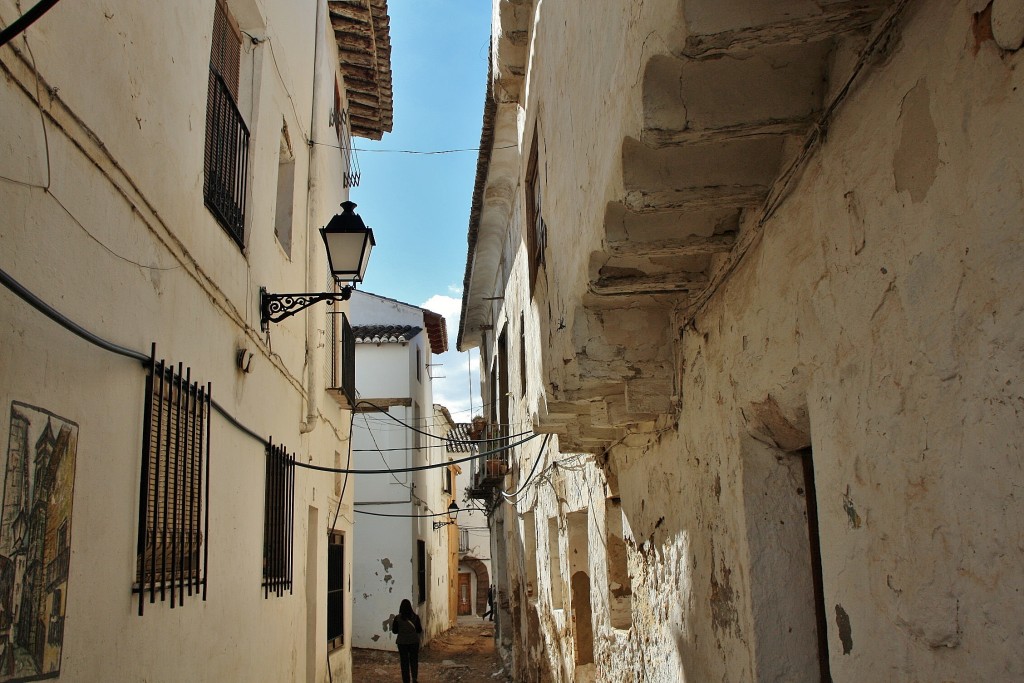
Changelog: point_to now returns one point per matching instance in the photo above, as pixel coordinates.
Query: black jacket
(408, 630)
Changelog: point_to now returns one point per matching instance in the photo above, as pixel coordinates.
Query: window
(417, 438)
(447, 484)
(620, 586)
(339, 119)
(421, 570)
(504, 390)
(278, 521)
(536, 230)
(578, 559)
(285, 192)
(335, 591)
(419, 362)
(554, 564)
(522, 354)
(226, 156)
(173, 524)
(788, 604)
(530, 556)
(341, 370)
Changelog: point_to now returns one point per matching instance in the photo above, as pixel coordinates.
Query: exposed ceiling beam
(833, 19)
(661, 137)
(696, 198)
(694, 245)
(663, 283)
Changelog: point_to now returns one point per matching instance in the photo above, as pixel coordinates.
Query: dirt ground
(464, 654)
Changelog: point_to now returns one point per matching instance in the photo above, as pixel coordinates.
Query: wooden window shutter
(226, 53)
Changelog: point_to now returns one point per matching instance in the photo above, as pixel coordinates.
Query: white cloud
(448, 306)
(453, 390)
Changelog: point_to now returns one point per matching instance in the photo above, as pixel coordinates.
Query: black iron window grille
(278, 521)
(339, 119)
(343, 359)
(335, 591)
(226, 157)
(172, 551)
(421, 571)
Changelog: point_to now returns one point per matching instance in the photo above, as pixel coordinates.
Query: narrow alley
(463, 654)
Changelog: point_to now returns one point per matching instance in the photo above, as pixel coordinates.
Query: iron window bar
(172, 549)
(278, 521)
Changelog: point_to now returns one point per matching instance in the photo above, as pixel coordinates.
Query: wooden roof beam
(661, 137)
(696, 198)
(694, 245)
(634, 285)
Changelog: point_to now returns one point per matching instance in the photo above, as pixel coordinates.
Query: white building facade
(756, 269)
(399, 552)
(159, 164)
(473, 559)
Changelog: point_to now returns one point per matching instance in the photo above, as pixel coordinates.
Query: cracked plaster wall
(878, 320)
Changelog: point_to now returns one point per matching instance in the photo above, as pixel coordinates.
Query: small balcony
(226, 159)
(341, 377)
(488, 471)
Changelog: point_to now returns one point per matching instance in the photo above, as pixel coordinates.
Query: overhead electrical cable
(529, 477)
(419, 468)
(25, 20)
(434, 436)
(386, 514)
(73, 327)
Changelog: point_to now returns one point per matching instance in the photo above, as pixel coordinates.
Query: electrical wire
(385, 514)
(25, 20)
(408, 151)
(529, 477)
(378, 450)
(385, 412)
(419, 468)
(344, 484)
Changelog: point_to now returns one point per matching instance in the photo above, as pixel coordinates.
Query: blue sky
(418, 205)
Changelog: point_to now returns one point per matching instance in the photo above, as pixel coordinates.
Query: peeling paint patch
(386, 562)
(723, 611)
(851, 511)
(375, 637)
(845, 632)
(917, 157)
(790, 433)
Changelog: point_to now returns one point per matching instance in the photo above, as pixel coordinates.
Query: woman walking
(407, 625)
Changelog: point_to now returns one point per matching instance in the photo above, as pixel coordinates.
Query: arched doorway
(477, 584)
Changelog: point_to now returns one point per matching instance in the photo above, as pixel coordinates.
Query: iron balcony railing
(489, 470)
(226, 161)
(346, 359)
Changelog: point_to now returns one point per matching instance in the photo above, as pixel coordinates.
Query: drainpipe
(312, 255)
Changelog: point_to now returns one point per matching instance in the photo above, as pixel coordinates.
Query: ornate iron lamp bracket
(276, 307)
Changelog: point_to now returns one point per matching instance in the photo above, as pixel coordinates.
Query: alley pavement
(463, 654)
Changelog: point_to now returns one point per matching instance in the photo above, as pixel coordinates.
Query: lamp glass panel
(348, 254)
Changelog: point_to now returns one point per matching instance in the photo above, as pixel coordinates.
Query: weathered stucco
(858, 321)
(103, 218)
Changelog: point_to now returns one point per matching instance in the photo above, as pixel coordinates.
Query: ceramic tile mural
(35, 542)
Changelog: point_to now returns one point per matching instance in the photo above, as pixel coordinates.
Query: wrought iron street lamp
(348, 243)
(453, 512)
